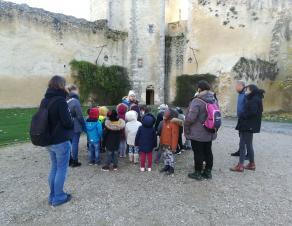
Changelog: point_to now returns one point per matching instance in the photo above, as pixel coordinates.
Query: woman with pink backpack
(203, 119)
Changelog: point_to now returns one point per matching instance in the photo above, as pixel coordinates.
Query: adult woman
(249, 123)
(61, 127)
(79, 123)
(200, 137)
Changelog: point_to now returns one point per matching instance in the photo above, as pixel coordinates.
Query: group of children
(134, 130)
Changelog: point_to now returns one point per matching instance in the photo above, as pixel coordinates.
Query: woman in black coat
(249, 123)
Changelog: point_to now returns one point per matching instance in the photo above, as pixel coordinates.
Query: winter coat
(196, 115)
(251, 118)
(60, 121)
(159, 119)
(240, 103)
(132, 127)
(146, 138)
(94, 130)
(112, 134)
(76, 112)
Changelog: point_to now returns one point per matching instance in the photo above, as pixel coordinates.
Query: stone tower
(144, 21)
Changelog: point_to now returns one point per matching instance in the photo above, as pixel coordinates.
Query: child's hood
(148, 120)
(131, 116)
(91, 125)
(115, 125)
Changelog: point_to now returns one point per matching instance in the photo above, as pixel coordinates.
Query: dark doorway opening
(149, 96)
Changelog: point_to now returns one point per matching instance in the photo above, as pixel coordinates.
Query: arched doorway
(150, 95)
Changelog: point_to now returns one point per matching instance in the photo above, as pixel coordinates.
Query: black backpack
(39, 128)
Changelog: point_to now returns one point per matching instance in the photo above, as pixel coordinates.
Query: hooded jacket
(112, 134)
(196, 115)
(94, 130)
(60, 121)
(76, 112)
(251, 118)
(170, 130)
(146, 138)
(132, 127)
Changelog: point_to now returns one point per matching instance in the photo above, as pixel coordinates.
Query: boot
(250, 166)
(197, 175)
(238, 168)
(131, 157)
(235, 153)
(165, 169)
(170, 171)
(136, 158)
(207, 174)
(75, 163)
(70, 161)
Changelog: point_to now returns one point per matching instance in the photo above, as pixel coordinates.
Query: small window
(151, 28)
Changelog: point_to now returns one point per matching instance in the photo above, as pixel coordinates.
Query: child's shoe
(131, 157)
(115, 167)
(149, 169)
(91, 163)
(105, 168)
(170, 171)
(142, 169)
(165, 169)
(250, 166)
(197, 175)
(238, 168)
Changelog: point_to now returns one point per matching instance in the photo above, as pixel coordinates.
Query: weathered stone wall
(248, 39)
(36, 44)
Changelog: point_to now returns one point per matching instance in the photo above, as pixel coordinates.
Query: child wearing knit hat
(94, 135)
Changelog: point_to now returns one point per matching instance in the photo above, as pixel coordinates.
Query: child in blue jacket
(146, 140)
(94, 135)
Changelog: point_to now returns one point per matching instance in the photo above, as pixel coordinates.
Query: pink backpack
(213, 121)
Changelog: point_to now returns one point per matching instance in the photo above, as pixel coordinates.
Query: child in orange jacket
(169, 139)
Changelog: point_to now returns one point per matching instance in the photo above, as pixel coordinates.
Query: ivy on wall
(104, 85)
(186, 87)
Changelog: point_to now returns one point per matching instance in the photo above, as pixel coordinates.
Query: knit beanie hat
(122, 109)
(113, 115)
(163, 107)
(93, 113)
(132, 93)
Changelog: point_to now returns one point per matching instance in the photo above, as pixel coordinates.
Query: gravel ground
(128, 197)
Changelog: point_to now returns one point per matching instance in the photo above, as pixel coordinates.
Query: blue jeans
(93, 149)
(112, 157)
(75, 144)
(60, 155)
(123, 148)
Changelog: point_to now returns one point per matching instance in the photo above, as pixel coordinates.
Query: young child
(131, 129)
(121, 110)
(111, 138)
(146, 140)
(169, 140)
(94, 135)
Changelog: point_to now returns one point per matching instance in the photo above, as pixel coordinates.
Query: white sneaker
(149, 170)
(142, 169)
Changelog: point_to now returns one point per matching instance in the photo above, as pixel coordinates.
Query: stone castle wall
(36, 44)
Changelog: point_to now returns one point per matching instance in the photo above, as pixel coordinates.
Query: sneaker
(142, 169)
(165, 169)
(250, 166)
(235, 154)
(238, 168)
(149, 169)
(178, 152)
(197, 175)
(91, 163)
(170, 171)
(68, 199)
(115, 167)
(105, 168)
(97, 163)
(207, 174)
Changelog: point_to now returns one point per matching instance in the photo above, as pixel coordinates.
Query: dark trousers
(202, 152)
(180, 143)
(245, 144)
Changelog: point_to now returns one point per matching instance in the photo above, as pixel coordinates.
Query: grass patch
(278, 117)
